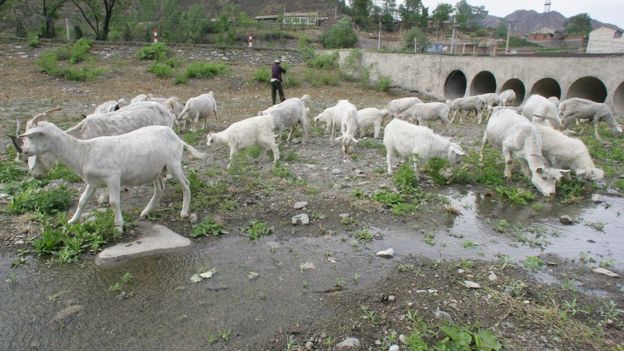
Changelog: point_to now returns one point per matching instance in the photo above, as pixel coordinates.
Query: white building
(605, 41)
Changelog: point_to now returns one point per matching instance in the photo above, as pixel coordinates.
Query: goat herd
(133, 144)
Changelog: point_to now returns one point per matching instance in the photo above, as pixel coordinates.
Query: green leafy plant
(207, 227)
(262, 75)
(327, 61)
(384, 83)
(340, 35)
(363, 236)
(533, 263)
(155, 51)
(35, 199)
(256, 229)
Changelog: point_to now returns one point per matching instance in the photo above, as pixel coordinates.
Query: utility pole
(508, 33)
(67, 28)
(379, 38)
(453, 36)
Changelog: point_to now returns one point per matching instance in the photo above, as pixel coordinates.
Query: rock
(309, 345)
(442, 315)
(492, 277)
(394, 348)
(300, 204)
(64, 314)
(152, 239)
(252, 275)
(391, 298)
(597, 198)
(606, 272)
(306, 266)
(302, 219)
(566, 220)
(461, 271)
(348, 344)
(19, 242)
(193, 218)
(403, 339)
(388, 253)
(472, 285)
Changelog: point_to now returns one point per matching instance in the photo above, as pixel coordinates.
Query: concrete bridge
(597, 78)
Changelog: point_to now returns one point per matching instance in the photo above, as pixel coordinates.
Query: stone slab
(153, 238)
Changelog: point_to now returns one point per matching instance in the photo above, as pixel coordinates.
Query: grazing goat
(172, 104)
(333, 116)
(577, 108)
(289, 113)
(109, 106)
(566, 152)
(371, 117)
(138, 98)
(349, 124)
(136, 158)
(507, 97)
(397, 106)
(198, 108)
(251, 131)
(467, 104)
(427, 112)
(491, 100)
(418, 142)
(541, 110)
(519, 139)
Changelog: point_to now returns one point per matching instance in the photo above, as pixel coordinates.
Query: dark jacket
(276, 71)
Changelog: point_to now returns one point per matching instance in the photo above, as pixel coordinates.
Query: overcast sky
(609, 11)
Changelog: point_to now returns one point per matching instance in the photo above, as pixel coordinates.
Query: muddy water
(162, 309)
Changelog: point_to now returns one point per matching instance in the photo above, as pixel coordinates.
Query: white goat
(173, 104)
(289, 113)
(519, 139)
(140, 97)
(198, 108)
(136, 158)
(427, 112)
(577, 108)
(540, 110)
(563, 151)
(251, 131)
(507, 97)
(349, 124)
(554, 100)
(398, 106)
(467, 104)
(418, 142)
(371, 117)
(334, 115)
(109, 106)
(491, 100)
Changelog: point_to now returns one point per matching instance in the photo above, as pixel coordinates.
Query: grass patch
(207, 227)
(208, 196)
(60, 171)
(373, 144)
(11, 171)
(533, 263)
(384, 83)
(155, 51)
(262, 75)
(67, 242)
(34, 198)
(515, 194)
(256, 229)
(328, 62)
(193, 137)
(410, 195)
(319, 78)
(201, 70)
(50, 62)
(363, 236)
(161, 70)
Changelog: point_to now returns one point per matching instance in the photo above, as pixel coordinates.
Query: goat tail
(194, 152)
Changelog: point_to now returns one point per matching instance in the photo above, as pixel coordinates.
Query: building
(302, 19)
(605, 40)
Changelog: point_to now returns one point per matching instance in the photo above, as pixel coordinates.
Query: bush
(384, 83)
(340, 35)
(161, 70)
(200, 70)
(416, 35)
(319, 78)
(207, 226)
(304, 46)
(262, 75)
(324, 61)
(155, 51)
(34, 42)
(80, 51)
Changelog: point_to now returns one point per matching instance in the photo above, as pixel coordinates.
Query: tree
(340, 35)
(414, 13)
(361, 11)
(48, 10)
(468, 17)
(441, 14)
(418, 37)
(579, 24)
(97, 14)
(387, 14)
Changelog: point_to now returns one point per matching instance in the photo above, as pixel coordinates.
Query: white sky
(608, 11)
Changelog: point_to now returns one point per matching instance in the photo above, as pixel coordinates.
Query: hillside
(271, 7)
(528, 21)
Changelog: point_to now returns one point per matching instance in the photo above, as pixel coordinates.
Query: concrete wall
(428, 74)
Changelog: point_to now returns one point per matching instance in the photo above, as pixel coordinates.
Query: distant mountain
(528, 21)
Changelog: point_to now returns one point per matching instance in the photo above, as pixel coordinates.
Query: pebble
(309, 345)
(300, 204)
(606, 272)
(252, 275)
(348, 343)
(391, 298)
(302, 219)
(566, 220)
(471, 284)
(193, 218)
(403, 339)
(388, 253)
(597, 198)
(336, 171)
(394, 348)
(492, 277)
(442, 315)
(65, 313)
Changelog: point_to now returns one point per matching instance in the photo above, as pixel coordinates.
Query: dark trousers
(277, 86)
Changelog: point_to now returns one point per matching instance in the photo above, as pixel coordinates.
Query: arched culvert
(518, 87)
(546, 87)
(483, 83)
(455, 85)
(618, 99)
(589, 88)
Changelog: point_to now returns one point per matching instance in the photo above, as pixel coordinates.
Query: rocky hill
(527, 21)
(271, 7)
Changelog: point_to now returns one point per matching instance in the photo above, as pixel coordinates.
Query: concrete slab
(155, 238)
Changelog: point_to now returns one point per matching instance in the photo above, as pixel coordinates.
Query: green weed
(118, 285)
(11, 171)
(533, 263)
(60, 171)
(161, 70)
(201, 70)
(384, 84)
(262, 75)
(40, 200)
(363, 236)
(328, 61)
(155, 51)
(515, 194)
(207, 227)
(256, 229)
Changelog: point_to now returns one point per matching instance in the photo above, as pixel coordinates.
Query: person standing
(276, 80)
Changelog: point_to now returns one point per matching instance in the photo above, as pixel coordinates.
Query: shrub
(384, 83)
(319, 78)
(80, 51)
(340, 35)
(34, 42)
(262, 75)
(161, 70)
(81, 74)
(155, 51)
(329, 61)
(304, 46)
(416, 35)
(200, 70)
(77, 32)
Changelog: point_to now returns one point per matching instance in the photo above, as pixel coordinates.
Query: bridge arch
(546, 87)
(455, 85)
(618, 99)
(590, 88)
(518, 87)
(484, 82)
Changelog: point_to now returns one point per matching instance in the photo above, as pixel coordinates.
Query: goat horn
(17, 127)
(41, 116)
(16, 143)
